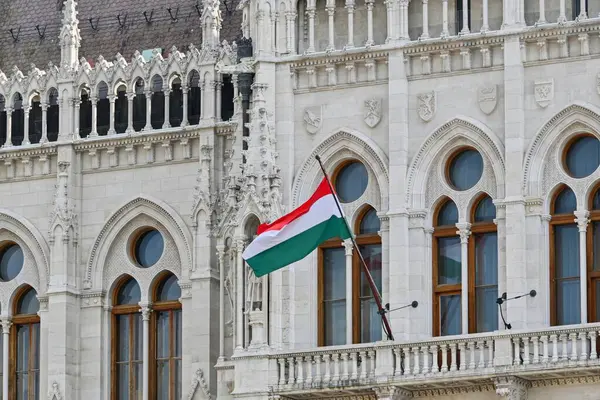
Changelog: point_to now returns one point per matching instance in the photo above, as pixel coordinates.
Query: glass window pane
(334, 273)
(596, 245)
(149, 248)
(351, 182)
(449, 260)
(22, 347)
(450, 319)
(177, 322)
(583, 157)
(596, 200)
(565, 202)
(138, 333)
(371, 328)
(566, 247)
(487, 309)
(369, 223)
(448, 214)
(486, 259)
(129, 293)
(138, 384)
(35, 329)
(334, 315)
(485, 211)
(123, 339)
(162, 380)
(178, 379)
(162, 334)
(372, 256)
(568, 309)
(22, 386)
(466, 169)
(123, 381)
(28, 303)
(169, 289)
(597, 284)
(11, 262)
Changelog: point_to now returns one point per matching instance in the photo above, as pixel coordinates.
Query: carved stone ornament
(198, 381)
(598, 82)
(488, 98)
(373, 112)
(544, 92)
(54, 393)
(313, 119)
(427, 105)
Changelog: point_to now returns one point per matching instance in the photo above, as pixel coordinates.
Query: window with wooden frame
(483, 267)
(366, 322)
(447, 274)
(593, 256)
(565, 306)
(25, 347)
(127, 341)
(166, 339)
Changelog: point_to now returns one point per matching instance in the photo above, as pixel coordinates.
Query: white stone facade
(391, 84)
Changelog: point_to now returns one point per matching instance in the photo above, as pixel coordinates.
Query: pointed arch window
(127, 341)
(194, 95)
(53, 115)
(157, 109)
(139, 105)
(447, 278)
(593, 255)
(564, 260)
(25, 347)
(483, 267)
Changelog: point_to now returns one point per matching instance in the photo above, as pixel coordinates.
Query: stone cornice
(456, 43)
(555, 30)
(34, 150)
(324, 59)
(571, 380)
(124, 140)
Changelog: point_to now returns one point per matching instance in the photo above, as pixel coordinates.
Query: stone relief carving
(427, 105)
(512, 387)
(63, 213)
(313, 119)
(198, 381)
(488, 98)
(54, 393)
(373, 112)
(598, 82)
(544, 92)
(228, 285)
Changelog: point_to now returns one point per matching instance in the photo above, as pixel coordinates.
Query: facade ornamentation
(54, 393)
(488, 98)
(512, 388)
(427, 105)
(313, 119)
(63, 213)
(373, 112)
(544, 92)
(198, 381)
(598, 83)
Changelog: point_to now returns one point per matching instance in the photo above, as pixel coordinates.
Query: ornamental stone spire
(211, 24)
(69, 37)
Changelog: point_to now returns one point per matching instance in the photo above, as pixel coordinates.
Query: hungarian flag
(295, 235)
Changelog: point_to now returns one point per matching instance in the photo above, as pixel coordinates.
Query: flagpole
(365, 268)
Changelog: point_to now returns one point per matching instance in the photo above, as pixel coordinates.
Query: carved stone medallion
(488, 98)
(544, 92)
(313, 119)
(427, 105)
(373, 112)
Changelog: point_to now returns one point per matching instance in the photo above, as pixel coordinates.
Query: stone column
(384, 234)
(26, 110)
(218, 87)
(167, 123)
(350, 8)
(202, 100)
(148, 126)
(391, 27)
(239, 295)
(500, 222)
(331, 24)
(542, 7)
(111, 130)
(76, 116)
(582, 219)
(221, 261)
(404, 19)
(6, 325)
(94, 131)
(465, 10)
(562, 17)
(485, 26)
(310, 11)
(425, 34)
(184, 120)
(8, 142)
(583, 6)
(290, 18)
(348, 251)
(445, 32)
(146, 310)
(44, 138)
(464, 230)
(370, 41)
(130, 97)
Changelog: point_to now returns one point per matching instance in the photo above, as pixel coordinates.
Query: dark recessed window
(583, 156)
(369, 223)
(29, 303)
(448, 214)
(485, 211)
(465, 169)
(169, 289)
(148, 248)
(11, 262)
(129, 293)
(351, 182)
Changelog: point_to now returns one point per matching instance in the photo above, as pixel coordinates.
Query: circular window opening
(465, 169)
(351, 182)
(148, 248)
(583, 156)
(11, 262)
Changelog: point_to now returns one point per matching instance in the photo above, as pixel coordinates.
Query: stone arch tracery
(109, 255)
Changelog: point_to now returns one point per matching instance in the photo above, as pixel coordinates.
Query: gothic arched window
(25, 347)
(593, 255)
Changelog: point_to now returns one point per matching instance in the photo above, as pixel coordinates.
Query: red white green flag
(295, 235)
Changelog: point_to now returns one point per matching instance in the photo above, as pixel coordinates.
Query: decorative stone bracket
(512, 388)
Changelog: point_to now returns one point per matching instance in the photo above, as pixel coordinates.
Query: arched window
(167, 339)
(227, 93)
(103, 109)
(564, 260)
(157, 113)
(139, 106)
(582, 156)
(194, 92)
(2, 120)
(176, 103)
(127, 342)
(447, 265)
(18, 120)
(35, 119)
(121, 111)
(85, 113)
(593, 251)
(53, 115)
(25, 347)
(483, 267)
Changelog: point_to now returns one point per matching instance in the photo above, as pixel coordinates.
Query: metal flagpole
(365, 268)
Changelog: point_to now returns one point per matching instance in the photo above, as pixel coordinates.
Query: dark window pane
(448, 214)
(565, 202)
(486, 281)
(138, 332)
(121, 112)
(169, 289)
(11, 262)
(351, 182)
(485, 211)
(449, 260)
(176, 105)
(149, 248)
(369, 223)
(123, 381)
(466, 169)
(334, 314)
(370, 319)
(162, 335)
(596, 245)
(129, 293)
(597, 284)
(334, 296)
(123, 340)
(583, 157)
(568, 301)
(596, 200)
(29, 303)
(566, 247)
(450, 319)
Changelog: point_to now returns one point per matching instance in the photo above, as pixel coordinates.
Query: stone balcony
(446, 365)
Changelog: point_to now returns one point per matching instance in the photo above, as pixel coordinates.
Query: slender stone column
(44, 138)
(348, 250)
(331, 24)
(582, 219)
(240, 295)
(130, 97)
(486, 25)
(8, 142)
(562, 17)
(583, 6)
(370, 41)
(445, 32)
(148, 126)
(167, 123)
(464, 230)
(26, 110)
(218, 87)
(184, 118)
(350, 8)
(310, 11)
(146, 310)
(221, 261)
(94, 131)
(6, 325)
(542, 19)
(465, 7)
(425, 34)
(76, 117)
(111, 130)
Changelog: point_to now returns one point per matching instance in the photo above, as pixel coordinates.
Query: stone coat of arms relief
(427, 105)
